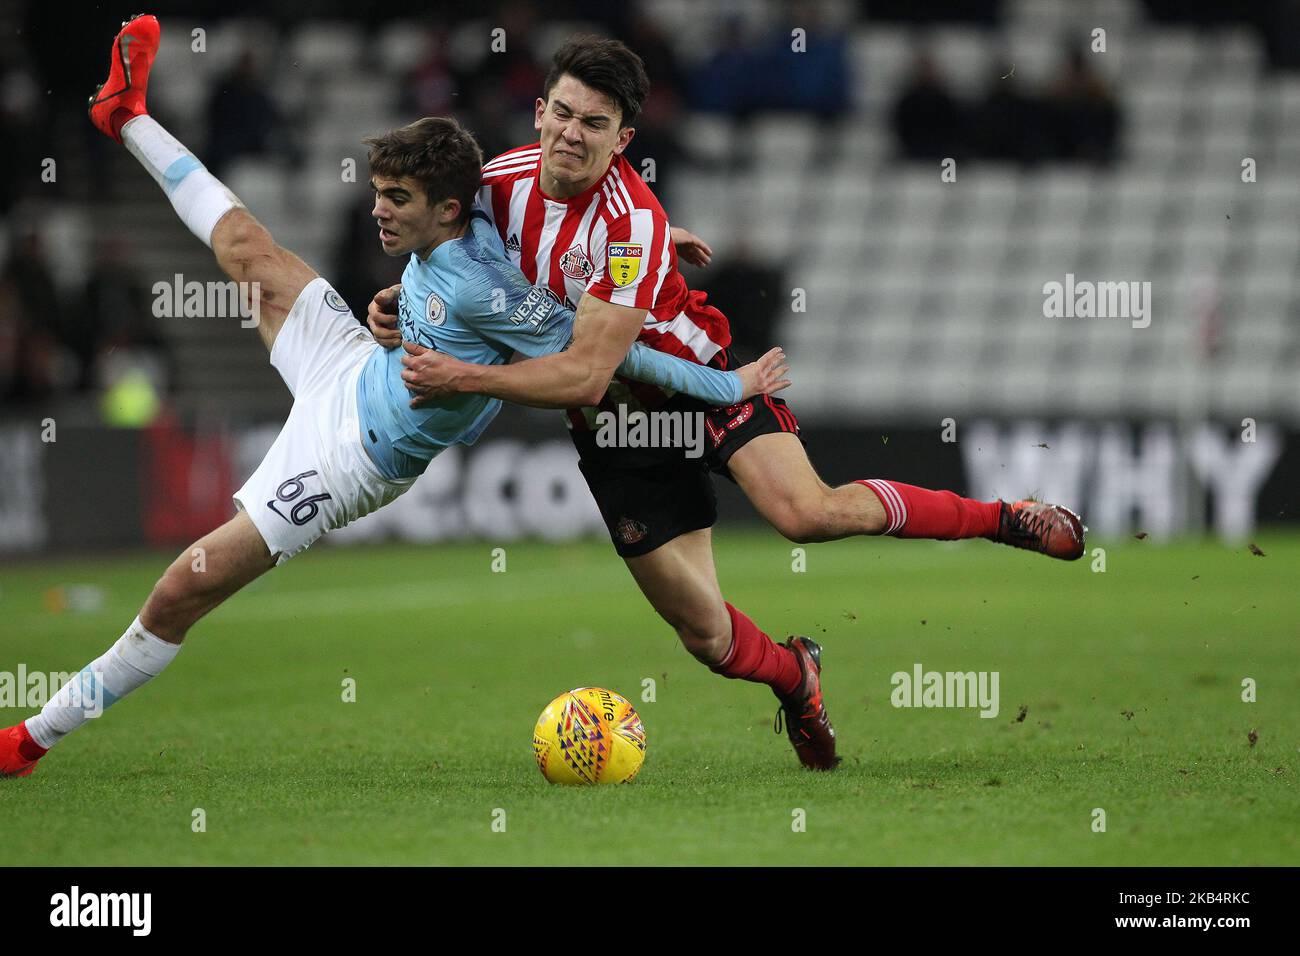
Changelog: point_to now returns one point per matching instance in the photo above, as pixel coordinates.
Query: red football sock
(912, 512)
(28, 748)
(756, 657)
(119, 118)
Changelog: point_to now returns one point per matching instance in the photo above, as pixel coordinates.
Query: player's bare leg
(247, 253)
(270, 277)
(680, 581)
(774, 472)
(204, 575)
(222, 562)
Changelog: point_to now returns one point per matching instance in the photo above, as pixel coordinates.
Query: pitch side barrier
(97, 487)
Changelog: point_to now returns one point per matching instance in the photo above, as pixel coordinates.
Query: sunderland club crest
(575, 264)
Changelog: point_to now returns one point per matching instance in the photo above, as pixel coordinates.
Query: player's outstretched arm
(711, 385)
(602, 335)
(498, 302)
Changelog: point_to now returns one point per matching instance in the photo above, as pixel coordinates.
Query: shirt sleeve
(636, 259)
(699, 381)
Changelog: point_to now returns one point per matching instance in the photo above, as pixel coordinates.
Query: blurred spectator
(360, 266)
(1008, 124)
(1279, 28)
(1083, 117)
(515, 69)
(742, 78)
(482, 105)
(12, 326)
(725, 82)
(431, 88)
(116, 316)
(749, 292)
(24, 128)
(928, 120)
(808, 72)
(485, 112)
(28, 353)
(38, 301)
(243, 120)
(644, 37)
(657, 138)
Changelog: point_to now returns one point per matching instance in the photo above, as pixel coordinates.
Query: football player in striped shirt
(579, 221)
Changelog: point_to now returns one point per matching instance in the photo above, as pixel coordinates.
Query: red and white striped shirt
(610, 241)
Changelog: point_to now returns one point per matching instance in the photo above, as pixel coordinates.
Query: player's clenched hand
(690, 247)
(381, 316)
(430, 375)
(766, 376)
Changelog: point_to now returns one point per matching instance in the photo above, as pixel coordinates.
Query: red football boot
(806, 722)
(18, 751)
(121, 96)
(1037, 526)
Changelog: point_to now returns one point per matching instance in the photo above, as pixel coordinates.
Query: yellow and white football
(589, 735)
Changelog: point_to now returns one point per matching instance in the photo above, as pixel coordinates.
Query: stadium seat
(401, 45)
(325, 47)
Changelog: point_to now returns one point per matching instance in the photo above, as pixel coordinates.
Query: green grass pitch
(1131, 680)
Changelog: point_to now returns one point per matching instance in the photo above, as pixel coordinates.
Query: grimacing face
(407, 223)
(579, 133)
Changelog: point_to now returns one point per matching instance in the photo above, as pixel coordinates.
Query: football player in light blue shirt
(351, 443)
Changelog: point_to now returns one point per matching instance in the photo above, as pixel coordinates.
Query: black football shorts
(648, 496)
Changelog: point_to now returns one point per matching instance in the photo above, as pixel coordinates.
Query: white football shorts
(317, 476)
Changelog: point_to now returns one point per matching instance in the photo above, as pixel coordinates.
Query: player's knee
(182, 589)
(169, 611)
(241, 243)
(239, 230)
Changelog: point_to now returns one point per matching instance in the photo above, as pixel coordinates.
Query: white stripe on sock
(893, 502)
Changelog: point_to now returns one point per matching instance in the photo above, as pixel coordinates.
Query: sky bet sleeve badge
(624, 262)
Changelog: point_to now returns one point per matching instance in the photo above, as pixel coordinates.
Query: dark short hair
(608, 67)
(438, 153)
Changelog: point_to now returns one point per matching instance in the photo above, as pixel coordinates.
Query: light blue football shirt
(469, 301)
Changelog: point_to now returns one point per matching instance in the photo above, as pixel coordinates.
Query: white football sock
(199, 198)
(137, 657)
